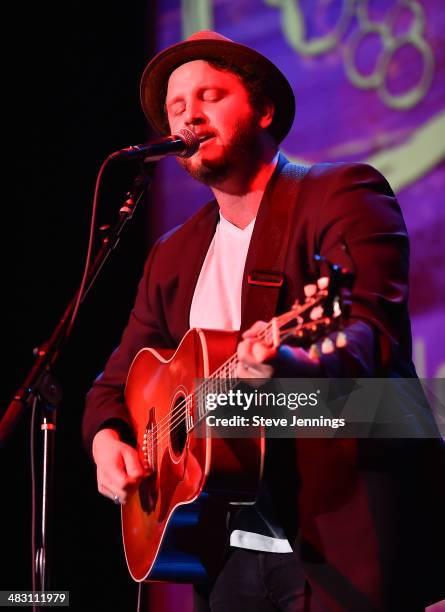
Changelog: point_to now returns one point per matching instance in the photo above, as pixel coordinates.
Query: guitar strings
(181, 416)
(167, 425)
(224, 381)
(164, 428)
(226, 368)
(281, 319)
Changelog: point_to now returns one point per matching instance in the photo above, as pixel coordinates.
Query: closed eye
(177, 108)
(212, 94)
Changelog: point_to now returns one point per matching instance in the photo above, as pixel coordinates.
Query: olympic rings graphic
(295, 28)
(376, 78)
(414, 95)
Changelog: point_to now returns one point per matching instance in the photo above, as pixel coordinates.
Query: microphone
(183, 144)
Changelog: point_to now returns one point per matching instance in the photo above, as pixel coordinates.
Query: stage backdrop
(369, 80)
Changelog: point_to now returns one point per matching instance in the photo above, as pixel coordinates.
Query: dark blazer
(343, 508)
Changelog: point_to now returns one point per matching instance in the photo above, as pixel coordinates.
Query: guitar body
(169, 522)
(173, 524)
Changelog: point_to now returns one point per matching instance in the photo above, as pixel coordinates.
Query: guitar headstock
(324, 310)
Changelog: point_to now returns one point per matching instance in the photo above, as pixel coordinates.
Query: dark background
(71, 87)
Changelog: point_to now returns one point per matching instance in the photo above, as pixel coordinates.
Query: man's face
(215, 105)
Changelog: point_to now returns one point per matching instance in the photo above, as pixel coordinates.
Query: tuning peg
(336, 308)
(316, 313)
(323, 282)
(313, 352)
(310, 290)
(327, 346)
(341, 340)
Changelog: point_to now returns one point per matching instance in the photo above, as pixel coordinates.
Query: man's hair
(254, 83)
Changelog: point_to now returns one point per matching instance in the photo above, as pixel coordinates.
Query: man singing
(327, 531)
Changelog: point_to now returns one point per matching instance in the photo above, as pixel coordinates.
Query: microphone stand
(40, 388)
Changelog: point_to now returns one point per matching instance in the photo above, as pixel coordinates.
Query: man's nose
(194, 114)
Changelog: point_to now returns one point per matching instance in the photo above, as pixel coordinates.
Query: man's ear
(267, 114)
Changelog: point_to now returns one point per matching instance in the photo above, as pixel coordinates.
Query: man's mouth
(205, 137)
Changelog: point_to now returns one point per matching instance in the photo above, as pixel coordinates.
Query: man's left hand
(254, 353)
(260, 360)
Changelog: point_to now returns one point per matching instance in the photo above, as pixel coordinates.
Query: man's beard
(243, 151)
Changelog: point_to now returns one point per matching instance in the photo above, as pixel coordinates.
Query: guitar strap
(265, 279)
(265, 275)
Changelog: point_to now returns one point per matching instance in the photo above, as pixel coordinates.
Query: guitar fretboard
(225, 377)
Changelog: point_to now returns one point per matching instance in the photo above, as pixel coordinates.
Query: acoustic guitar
(166, 531)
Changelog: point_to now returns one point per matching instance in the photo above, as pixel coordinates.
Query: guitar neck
(225, 378)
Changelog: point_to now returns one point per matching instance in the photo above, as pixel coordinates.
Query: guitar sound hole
(178, 426)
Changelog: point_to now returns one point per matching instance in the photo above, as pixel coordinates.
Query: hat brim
(157, 72)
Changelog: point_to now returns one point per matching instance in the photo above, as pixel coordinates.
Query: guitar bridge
(149, 445)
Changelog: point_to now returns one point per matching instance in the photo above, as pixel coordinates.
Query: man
(326, 538)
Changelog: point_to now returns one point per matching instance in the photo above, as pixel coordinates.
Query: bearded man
(323, 536)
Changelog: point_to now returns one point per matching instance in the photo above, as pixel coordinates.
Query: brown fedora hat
(211, 45)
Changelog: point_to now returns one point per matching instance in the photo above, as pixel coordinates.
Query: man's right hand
(119, 469)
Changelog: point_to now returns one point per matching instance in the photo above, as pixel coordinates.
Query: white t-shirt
(216, 302)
